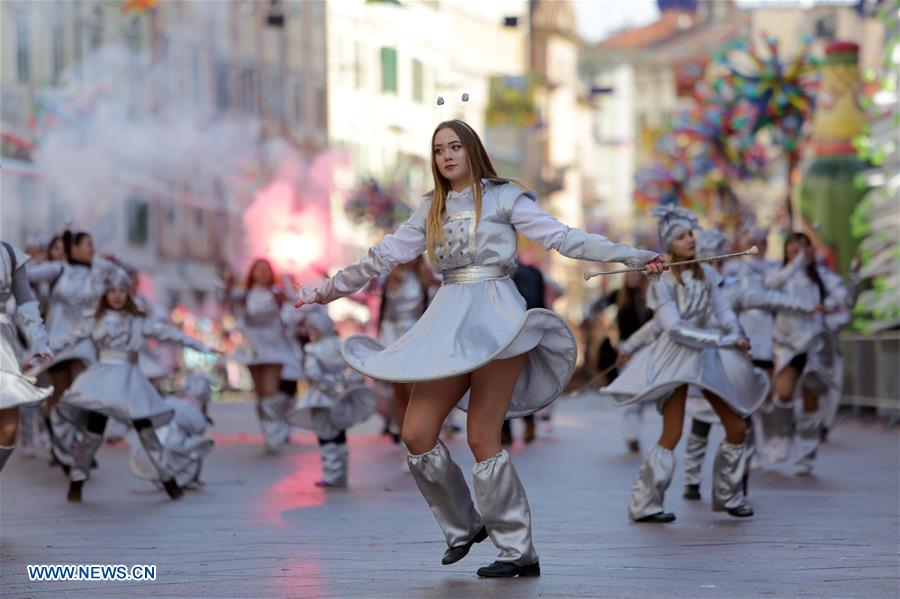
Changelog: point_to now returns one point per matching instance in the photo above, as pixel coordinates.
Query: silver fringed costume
(337, 397)
(114, 385)
(184, 441)
(15, 388)
(694, 331)
(476, 316)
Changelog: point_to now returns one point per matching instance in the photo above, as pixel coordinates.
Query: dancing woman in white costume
(702, 345)
(15, 389)
(475, 346)
(266, 350)
(804, 343)
(114, 386)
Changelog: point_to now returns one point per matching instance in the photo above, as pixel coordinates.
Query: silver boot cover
(84, 456)
(728, 477)
(272, 411)
(442, 484)
(154, 450)
(5, 452)
(335, 462)
(505, 510)
(694, 455)
(806, 439)
(654, 477)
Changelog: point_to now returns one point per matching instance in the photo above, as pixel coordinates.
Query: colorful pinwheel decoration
(782, 93)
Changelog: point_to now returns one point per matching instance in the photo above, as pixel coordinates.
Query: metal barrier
(872, 373)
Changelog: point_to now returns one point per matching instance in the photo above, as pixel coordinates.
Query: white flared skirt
(119, 391)
(15, 388)
(467, 326)
(656, 371)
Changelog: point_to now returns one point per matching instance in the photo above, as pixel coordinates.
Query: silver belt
(112, 356)
(474, 274)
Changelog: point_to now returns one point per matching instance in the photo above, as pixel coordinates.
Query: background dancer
(266, 350)
(114, 386)
(337, 397)
(804, 354)
(691, 310)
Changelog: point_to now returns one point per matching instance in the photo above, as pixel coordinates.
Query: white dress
(477, 315)
(264, 338)
(16, 389)
(691, 350)
(114, 385)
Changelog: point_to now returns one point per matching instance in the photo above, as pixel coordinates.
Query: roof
(669, 24)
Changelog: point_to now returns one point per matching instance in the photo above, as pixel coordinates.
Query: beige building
(192, 84)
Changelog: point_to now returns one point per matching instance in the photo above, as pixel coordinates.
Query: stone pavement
(260, 529)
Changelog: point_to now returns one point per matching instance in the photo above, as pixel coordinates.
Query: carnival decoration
(781, 92)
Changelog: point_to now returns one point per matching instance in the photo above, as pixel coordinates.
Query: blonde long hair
(480, 167)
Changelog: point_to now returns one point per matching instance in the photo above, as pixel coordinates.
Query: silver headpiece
(118, 278)
(197, 385)
(673, 220)
(711, 242)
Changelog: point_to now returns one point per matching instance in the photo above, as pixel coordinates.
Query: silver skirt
(656, 371)
(468, 325)
(117, 390)
(15, 389)
(267, 345)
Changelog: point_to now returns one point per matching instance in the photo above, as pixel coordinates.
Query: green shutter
(389, 70)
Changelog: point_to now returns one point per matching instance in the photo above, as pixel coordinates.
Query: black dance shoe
(744, 511)
(660, 518)
(172, 489)
(74, 495)
(454, 554)
(508, 570)
(691, 492)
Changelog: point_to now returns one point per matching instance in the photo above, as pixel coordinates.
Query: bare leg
(673, 419)
(9, 423)
(492, 387)
(402, 393)
(500, 494)
(428, 407)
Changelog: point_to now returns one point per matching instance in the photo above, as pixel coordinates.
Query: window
(321, 103)
(95, 28)
(418, 81)
(57, 53)
(23, 63)
(198, 217)
(388, 70)
(132, 34)
(222, 82)
(298, 99)
(138, 214)
(247, 90)
(511, 22)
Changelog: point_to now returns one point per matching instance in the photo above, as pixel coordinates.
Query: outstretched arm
(169, 334)
(537, 225)
(405, 244)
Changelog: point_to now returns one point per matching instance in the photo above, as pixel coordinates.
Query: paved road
(260, 529)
